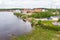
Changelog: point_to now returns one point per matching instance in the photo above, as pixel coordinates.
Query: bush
(42, 15)
(50, 26)
(56, 28)
(18, 14)
(39, 22)
(24, 16)
(58, 20)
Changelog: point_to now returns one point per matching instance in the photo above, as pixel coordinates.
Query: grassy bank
(40, 33)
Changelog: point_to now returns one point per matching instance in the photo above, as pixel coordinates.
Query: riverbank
(39, 33)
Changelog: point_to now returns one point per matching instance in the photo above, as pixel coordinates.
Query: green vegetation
(43, 30)
(50, 26)
(38, 34)
(18, 14)
(53, 10)
(23, 16)
(42, 15)
(44, 24)
(58, 20)
(2, 9)
(39, 22)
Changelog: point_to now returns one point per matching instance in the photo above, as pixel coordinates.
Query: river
(10, 24)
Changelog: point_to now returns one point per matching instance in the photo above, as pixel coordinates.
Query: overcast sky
(29, 3)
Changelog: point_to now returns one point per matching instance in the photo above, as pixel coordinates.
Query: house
(56, 23)
(17, 11)
(44, 10)
(55, 18)
(37, 10)
(25, 10)
(40, 10)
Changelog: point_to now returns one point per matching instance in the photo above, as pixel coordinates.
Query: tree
(39, 22)
(42, 15)
(58, 20)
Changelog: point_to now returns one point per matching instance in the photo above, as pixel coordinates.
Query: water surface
(10, 24)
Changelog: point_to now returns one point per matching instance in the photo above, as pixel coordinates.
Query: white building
(17, 11)
(44, 10)
(56, 23)
(55, 18)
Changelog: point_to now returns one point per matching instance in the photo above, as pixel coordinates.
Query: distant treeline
(54, 10)
(12, 9)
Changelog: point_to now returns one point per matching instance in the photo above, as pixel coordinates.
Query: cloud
(28, 3)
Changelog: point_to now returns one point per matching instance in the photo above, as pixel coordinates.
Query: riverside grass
(40, 33)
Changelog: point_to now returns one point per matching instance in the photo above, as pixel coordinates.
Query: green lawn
(39, 34)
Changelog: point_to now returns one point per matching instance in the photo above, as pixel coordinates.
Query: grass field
(40, 34)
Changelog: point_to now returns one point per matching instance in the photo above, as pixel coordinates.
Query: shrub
(42, 15)
(18, 14)
(39, 22)
(24, 16)
(58, 20)
(49, 25)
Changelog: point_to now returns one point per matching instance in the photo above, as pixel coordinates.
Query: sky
(29, 3)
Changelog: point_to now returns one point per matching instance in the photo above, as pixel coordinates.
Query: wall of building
(31, 10)
(37, 10)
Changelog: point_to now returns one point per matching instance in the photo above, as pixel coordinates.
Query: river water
(10, 24)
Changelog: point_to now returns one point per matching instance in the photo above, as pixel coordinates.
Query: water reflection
(10, 24)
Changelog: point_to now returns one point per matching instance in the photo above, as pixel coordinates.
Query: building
(27, 11)
(33, 10)
(55, 18)
(37, 10)
(56, 23)
(17, 11)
